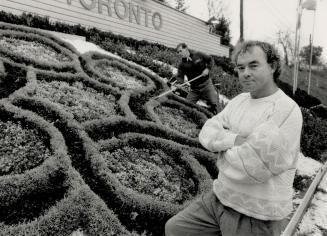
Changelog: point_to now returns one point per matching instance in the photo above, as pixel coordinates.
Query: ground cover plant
(176, 116)
(29, 48)
(83, 102)
(122, 78)
(20, 149)
(117, 73)
(151, 172)
(32, 49)
(149, 202)
(178, 120)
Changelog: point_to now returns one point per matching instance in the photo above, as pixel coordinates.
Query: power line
(277, 11)
(275, 15)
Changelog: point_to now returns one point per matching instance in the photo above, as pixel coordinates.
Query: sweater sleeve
(268, 151)
(180, 74)
(215, 135)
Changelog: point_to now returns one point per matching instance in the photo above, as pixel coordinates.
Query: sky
(264, 18)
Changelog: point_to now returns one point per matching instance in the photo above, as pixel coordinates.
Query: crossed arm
(268, 151)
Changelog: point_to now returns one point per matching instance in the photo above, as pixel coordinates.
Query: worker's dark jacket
(194, 67)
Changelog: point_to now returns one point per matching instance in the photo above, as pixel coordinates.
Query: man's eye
(240, 68)
(253, 66)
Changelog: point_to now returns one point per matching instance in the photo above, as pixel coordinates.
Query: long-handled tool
(173, 89)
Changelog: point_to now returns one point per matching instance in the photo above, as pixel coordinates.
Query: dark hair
(183, 45)
(272, 55)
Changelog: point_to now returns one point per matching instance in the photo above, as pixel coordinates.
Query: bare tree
(216, 8)
(285, 40)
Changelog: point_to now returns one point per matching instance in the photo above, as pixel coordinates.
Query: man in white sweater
(257, 141)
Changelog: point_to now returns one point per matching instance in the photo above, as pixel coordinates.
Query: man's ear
(273, 66)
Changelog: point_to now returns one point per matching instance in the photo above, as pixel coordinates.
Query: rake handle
(173, 89)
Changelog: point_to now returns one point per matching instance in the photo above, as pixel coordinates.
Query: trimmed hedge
(83, 152)
(34, 75)
(152, 214)
(41, 177)
(114, 126)
(197, 117)
(314, 136)
(28, 29)
(119, 127)
(67, 205)
(91, 60)
(300, 97)
(12, 77)
(32, 35)
(320, 111)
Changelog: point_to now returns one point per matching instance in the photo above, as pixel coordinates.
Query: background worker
(194, 64)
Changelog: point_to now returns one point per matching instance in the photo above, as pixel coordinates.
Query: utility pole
(241, 22)
(311, 50)
(297, 46)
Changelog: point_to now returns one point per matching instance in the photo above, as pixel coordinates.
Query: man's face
(255, 74)
(184, 52)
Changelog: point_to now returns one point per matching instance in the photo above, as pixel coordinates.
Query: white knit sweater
(256, 178)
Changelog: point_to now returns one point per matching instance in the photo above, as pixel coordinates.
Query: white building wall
(156, 21)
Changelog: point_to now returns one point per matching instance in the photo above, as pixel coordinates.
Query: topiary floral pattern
(151, 172)
(33, 50)
(177, 120)
(83, 102)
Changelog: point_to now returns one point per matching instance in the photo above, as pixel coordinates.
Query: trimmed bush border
(83, 151)
(116, 125)
(320, 111)
(152, 213)
(89, 61)
(12, 77)
(26, 29)
(119, 127)
(314, 136)
(128, 102)
(80, 208)
(205, 158)
(2, 70)
(15, 186)
(72, 66)
(33, 75)
(198, 118)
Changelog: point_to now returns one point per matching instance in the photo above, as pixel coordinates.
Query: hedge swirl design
(83, 111)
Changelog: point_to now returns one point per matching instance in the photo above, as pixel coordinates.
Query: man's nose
(246, 72)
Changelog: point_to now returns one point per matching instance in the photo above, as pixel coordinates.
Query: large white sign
(125, 10)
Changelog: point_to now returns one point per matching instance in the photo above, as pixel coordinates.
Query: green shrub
(320, 111)
(32, 47)
(300, 97)
(176, 116)
(127, 201)
(114, 126)
(228, 84)
(12, 78)
(314, 136)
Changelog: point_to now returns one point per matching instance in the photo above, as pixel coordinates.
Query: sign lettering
(124, 10)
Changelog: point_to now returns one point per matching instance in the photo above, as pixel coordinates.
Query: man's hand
(205, 72)
(239, 140)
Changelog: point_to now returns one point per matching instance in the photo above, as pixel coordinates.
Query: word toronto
(124, 10)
